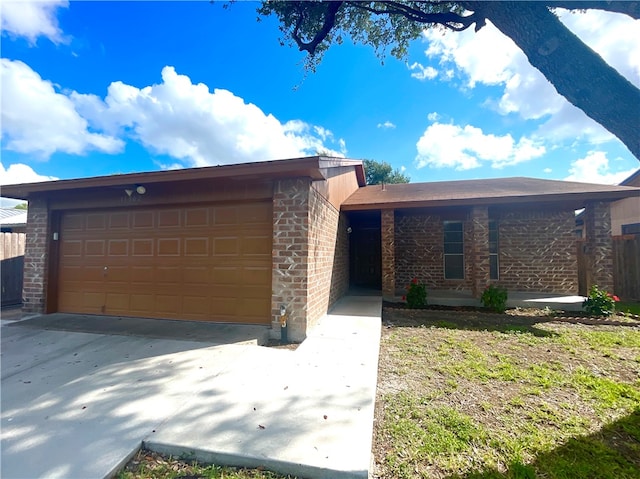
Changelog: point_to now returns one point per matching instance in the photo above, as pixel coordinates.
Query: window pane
(454, 267)
(453, 248)
(493, 266)
(453, 236)
(452, 226)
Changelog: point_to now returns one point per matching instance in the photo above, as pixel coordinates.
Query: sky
(98, 88)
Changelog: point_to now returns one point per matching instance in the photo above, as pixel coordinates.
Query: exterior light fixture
(141, 190)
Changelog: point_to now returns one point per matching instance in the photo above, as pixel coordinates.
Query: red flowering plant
(599, 302)
(416, 296)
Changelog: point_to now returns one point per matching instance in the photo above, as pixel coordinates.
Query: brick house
(237, 243)
(625, 214)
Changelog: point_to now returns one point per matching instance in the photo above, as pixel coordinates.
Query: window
(453, 250)
(631, 229)
(493, 250)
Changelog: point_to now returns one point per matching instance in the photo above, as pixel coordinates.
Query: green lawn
(543, 399)
(628, 307)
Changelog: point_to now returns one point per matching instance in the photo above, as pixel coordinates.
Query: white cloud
(191, 124)
(595, 168)
(525, 91)
(20, 173)
(433, 116)
(421, 72)
(32, 19)
(38, 120)
(386, 125)
(464, 148)
(547, 170)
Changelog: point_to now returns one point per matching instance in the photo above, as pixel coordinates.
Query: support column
(481, 268)
(599, 245)
(387, 226)
(34, 285)
(289, 275)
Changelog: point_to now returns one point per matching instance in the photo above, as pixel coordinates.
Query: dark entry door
(366, 257)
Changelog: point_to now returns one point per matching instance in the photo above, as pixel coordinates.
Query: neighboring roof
(12, 216)
(482, 192)
(294, 168)
(633, 180)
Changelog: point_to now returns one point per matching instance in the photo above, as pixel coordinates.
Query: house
(13, 220)
(243, 243)
(625, 214)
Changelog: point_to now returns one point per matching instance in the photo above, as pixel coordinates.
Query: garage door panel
(204, 262)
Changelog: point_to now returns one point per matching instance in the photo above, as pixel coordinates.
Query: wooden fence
(12, 259)
(626, 267)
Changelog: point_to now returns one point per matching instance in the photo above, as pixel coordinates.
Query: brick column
(387, 225)
(599, 244)
(289, 280)
(34, 286)
(479, 257)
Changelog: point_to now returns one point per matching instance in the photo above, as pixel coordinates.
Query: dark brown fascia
(291, 168)
(568, 198)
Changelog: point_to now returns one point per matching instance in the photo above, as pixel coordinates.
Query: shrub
(416, 296)
(494, 298)
(599, 302)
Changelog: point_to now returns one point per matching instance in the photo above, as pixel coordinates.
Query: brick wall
(537, 251)
(34, 284)
(419, 251)
(599, 245)
(388, 239)
(290, 251)
(328, 261)
(479, 246)
(536, 248)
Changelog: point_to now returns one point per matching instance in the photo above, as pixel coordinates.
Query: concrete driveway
(79, 404)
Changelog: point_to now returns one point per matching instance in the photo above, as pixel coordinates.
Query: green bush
(599, 302)
(416, 296)
(494, 298)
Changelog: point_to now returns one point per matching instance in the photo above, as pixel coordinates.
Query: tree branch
(577, 72)
(448, 20)
(631, 9)
(328, 23)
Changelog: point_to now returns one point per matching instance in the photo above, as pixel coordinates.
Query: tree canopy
(577, 72)
(377, 172)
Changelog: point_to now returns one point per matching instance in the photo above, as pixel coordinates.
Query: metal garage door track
(79, 404)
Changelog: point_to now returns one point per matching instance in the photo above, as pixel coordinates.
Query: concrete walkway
(78, 404)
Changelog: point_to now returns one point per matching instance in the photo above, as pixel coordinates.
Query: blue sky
(96, 88)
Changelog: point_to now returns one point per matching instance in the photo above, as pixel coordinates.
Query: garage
(208, 262)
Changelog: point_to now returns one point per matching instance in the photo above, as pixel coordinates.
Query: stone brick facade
(34, 286)
(479, 247)
(310, 256)
(387, 225)
(599, 245)
(290, 254)
(537, 250)
(328, 261)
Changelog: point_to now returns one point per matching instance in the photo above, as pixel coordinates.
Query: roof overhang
(308, 167)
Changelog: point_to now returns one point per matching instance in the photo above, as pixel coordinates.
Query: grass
(628, 307)
(548, 399)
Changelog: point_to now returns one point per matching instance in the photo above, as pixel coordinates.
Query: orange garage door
(208, 263)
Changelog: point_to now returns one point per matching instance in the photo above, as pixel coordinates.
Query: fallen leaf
(260, 426)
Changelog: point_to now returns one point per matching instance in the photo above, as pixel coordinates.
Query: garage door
(209, 263)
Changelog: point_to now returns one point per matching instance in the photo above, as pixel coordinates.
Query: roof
(12, 216)
(310, 167)
(482, 192)
(633, 180)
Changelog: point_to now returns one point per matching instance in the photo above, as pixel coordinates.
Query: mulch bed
(476, 316)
